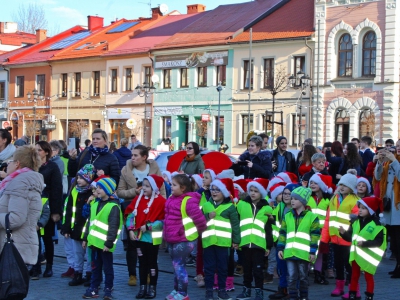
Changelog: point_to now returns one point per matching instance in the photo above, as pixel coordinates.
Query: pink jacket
(174, 231)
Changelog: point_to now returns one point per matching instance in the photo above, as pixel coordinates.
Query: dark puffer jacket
(123, 154)
(262, 166)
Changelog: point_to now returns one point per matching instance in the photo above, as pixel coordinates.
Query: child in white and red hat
(363, 187)
(368, 238)
(275, 193)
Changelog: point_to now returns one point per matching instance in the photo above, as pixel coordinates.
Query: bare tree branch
(30, 16)
(280, 80)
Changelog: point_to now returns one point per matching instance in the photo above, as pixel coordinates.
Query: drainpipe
(6, 95)
(310, 128)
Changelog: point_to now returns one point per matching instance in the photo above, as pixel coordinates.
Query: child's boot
(142, 292)
(369, 296)
(215, 287)
(259, 294)
(245, 294)
(151, 292)
(339, 289)
(209, 295)
(77, 280)
(223, 295)
(358, 294)
(87, 279)
(230, 284)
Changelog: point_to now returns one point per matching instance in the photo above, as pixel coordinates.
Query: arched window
(342, 126)
(367, 123)
(345, 56)
(369, 54)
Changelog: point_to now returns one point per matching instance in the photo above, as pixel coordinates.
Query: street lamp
(219, 89)
(35, 95)
(145, 91)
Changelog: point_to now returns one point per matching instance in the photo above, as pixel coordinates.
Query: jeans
(272, 261)
(216, 260)
(79, 255)
(69, 251)
(281, 269)
(297, 271)
(102, 261)
(253, 265)
(148, 262)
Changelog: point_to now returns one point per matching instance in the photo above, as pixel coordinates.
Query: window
(248, 78)
(166, 127)
(96, 83)
(64, 85)
(40, 84)
(202, 76)
(367, 123)
(2, 90)
(345, 56)
(20, 86)
(147, 75)
(299, 64)
(184, 77)
(342, 126)
(221, 75)
(77, 84)
(268, 73)
(167, 78)
(128, 79)
(369, 54)
(245, 127)
(114, 76)
(267, 123)
(298, 124)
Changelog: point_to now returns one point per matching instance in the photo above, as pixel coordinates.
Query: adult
(192, 163)
(304, 163)
(55, 155)
(336, 150)
(265, 139)
(53, 192)
(389, 143)
(64, 156)
(254, 163)
(87, 143)
(367, 155)
(19, 143)
(318, 161)
(387, 173)
(308, 141)
(20, 196)
(130, 185)
(134, 142)
(282, 160)
(96, 154)
(6, 148)
(113, 147)
(123, 154)
(356, 142)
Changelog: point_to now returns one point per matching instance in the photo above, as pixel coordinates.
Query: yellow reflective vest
(188, 224)
(320, 209)
(339, 215)
(219, 229)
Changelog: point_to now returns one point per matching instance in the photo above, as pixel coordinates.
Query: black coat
(290, 161)
(123, 154)
(262, 167)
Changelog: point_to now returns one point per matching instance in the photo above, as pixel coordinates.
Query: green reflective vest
(74, 194)
(98, 228)
(203, 200)
(44, 201)
(219, 229)
(156, 236)
(367, 258)
(298, 242)
(252, 227)
(190, 229)
(340, 215)
(320, 210)
(278, 214)
(65, 161)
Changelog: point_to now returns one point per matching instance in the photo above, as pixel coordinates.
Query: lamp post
(301, 82)
(35, 95)
(145, 91)
(219, 89)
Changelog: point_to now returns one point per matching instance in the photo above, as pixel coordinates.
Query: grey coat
(193, 167)
(392, 217)
(22, 199)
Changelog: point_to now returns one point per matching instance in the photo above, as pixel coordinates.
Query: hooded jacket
(122, 154)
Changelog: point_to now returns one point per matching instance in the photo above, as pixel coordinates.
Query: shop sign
(205, 118)
(118, 113)
(49, 126)
(191, 60)
(168, 111)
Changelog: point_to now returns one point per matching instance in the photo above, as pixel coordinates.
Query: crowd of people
(331, 210)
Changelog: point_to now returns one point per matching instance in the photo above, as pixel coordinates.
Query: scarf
(98, 151)
(10, 177)
(190, 158)
(7, 152)
(383, 182)
(82, 189)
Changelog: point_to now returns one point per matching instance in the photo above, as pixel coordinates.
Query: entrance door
(119, 130)
(342, 126)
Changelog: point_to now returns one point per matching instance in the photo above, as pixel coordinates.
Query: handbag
(387, 204)
(14, 274)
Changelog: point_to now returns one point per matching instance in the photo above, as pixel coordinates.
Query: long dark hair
(337, 148)
(184, 181)
(46, 148)
(5, 134)
(352, 158)
(308, 152)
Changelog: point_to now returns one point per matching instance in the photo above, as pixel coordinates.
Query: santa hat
(198, 178)
(323, 181)
(373, 204)
(226, 174)
(174, 174)
(274, 181)
(168, 174)
(364, 180)
(225, 185)
(212, 173)
(241, 185)
(288, 177)
(260, 184)
(276, 190)
(156, 183)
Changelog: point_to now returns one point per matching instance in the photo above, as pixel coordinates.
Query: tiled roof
(157, 33)
(294, 19)
(218, 25)
(17, 38)
(6, 54)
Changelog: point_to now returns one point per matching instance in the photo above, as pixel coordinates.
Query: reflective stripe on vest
(156, 236)
(190, 229)
(98, 228)
(219, 229)
(320, 211)
(44, 200)
(277, 226)
(252, 227)
(298, 242)
(340, 215)
(367, 258)
(74, 195)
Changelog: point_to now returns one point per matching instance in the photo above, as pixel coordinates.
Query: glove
(323, 248)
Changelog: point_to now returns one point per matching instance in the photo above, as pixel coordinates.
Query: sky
(62, 14)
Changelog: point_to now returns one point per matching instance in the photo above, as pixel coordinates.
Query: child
(256, 237)
(197, 182)
(363, 187)
(298, 242)
(74, 222)
(321, 187)
(342, 207)
(167, 182)
(144, 222)
(368, 238)
(221, 234)
(276, 194)
(105, 213)
(183, 222)
(279, 212)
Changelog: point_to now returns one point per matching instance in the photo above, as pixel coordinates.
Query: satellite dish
(131, 123)
(155, 78)
(163, 8)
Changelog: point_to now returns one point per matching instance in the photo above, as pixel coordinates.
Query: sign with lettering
(168, 110)
(49, 126)
(191, 60)
(205, 118)
(119, 113)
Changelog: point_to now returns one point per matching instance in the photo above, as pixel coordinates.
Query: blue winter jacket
(122, 154)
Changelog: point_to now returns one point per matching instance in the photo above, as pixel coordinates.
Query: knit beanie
(350, 181)
(108, 185)
(291, 186)
(87, 173)
(302, 194)
(364, 180)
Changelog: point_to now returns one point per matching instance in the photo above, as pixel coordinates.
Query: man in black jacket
(282, 160)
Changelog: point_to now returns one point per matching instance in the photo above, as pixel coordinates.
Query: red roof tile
(6, 54)
(218, 25)
(17, 38)
(294, 19)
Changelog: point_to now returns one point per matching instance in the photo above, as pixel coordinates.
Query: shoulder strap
(8, 230)
(82, 156)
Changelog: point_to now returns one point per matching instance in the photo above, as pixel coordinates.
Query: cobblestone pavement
(57, 288)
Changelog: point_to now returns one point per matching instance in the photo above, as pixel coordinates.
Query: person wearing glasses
(192, 163)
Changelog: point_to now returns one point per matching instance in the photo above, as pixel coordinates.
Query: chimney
(41, 35)
(1, 27)
(155, 13)
(195, 8)
(95, 22)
